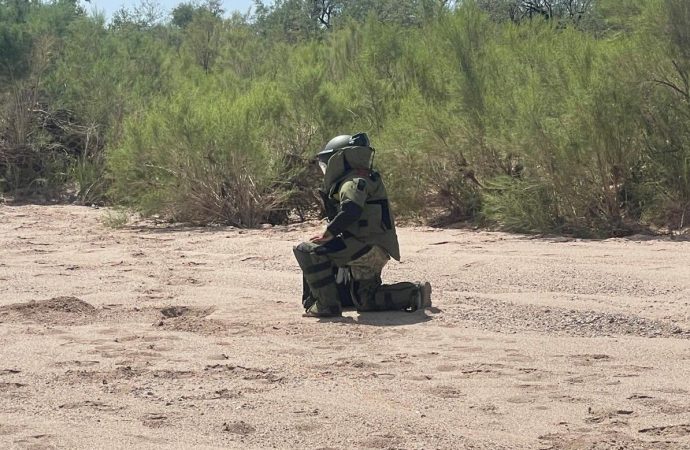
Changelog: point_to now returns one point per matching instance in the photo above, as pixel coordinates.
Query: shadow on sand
(386, 318)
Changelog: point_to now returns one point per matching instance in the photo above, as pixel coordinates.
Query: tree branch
(680, 91)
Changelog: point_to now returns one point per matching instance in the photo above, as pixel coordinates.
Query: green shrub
(115, 218)
(569, 124)
(518, 205)
(198, 156)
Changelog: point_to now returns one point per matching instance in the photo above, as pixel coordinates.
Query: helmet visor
(322, 158)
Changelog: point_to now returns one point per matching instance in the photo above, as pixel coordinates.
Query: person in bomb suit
(342, 267)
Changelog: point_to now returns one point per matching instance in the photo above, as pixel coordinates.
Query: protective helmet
(338, 142)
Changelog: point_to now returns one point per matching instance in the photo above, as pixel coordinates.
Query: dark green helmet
(338, 142)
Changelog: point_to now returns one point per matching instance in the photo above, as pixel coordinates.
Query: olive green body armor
(364, 187)
(346, 271)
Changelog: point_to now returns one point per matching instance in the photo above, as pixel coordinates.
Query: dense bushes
(575, 120)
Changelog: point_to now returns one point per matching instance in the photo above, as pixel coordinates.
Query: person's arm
(353, 195)
(330, 207)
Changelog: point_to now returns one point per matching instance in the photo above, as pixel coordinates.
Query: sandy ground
(179, 338)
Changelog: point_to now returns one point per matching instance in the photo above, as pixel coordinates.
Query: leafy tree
(664, 175)
(520, 10)
(202, 39)
(34, 153)
(289, 20)
(535, 115)
(183, 14)
(307, 19)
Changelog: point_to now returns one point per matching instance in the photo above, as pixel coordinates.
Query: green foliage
(664, 171)
(568, 116)
(202, 39)
(115, 218)
(519, 205)
(564, 11)
(183, 14)
(33, 156)
(288, 20)
(198, 156)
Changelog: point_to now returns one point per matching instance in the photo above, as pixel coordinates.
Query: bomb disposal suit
(343, 266)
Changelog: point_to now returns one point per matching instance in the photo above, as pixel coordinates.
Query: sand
(172, 337)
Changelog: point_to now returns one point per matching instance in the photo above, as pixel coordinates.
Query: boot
(423, 299)
(316, 311)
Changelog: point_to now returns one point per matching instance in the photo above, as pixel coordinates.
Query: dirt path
(186, 338)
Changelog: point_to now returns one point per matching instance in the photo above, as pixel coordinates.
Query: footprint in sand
(9, 386)
(585, 379)
(107, 351)
(668, 430)
(90, 404)
(355, 363)
(589, 359)
(515, 356)
(173, 374)
(37, 442)
(663, 406)
(465, 348)
(531, 374)
(192, 320)
(6, 430)
(614, 416)
(385, 441)
(630, 371)
(307, 427)
(564, 398)
(154, 420)
(487, 408)
(487, 369)
(241, 428)
(446, 392)
(522, 399)
(77, 363)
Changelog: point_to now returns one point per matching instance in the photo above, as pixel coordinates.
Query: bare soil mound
(191, 320)
(57, 310)
(170, 312)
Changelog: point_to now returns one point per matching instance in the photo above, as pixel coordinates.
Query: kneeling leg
(375, 296)
(319, 279)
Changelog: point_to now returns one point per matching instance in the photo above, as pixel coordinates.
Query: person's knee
(364, 291)
(304, 247)
(304, 257)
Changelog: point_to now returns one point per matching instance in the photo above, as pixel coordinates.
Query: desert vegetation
(568, 116)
